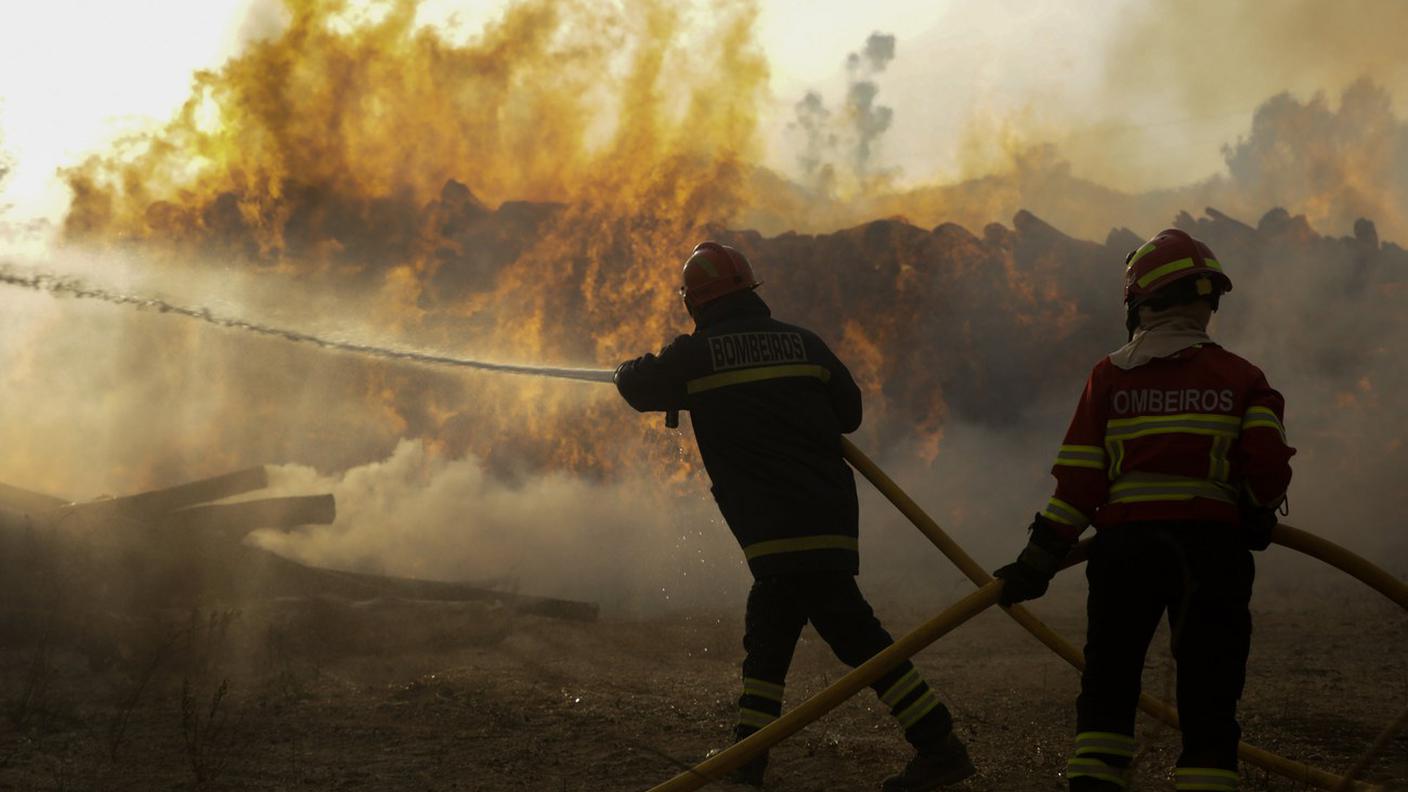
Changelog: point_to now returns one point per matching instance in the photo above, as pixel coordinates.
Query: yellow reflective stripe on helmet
(1145, 487)
(1110, 743)
(727, 378)
(1146, 249)
(922, 706)
(1064, 513)
(1213, 779)
(902, 687)
(1165, 269)
(1210, 424)
(1263, 418)
(1081, 456)
(1091, 767)
(754, 718)
(801, 544)
(762, 689)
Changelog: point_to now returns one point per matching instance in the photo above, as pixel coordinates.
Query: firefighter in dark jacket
(769, 402)
(1178, 456)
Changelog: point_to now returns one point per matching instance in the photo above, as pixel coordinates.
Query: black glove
(623, 369)
(1257, 522)
(1028, 576)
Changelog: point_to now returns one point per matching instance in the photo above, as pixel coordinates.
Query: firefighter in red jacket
(1178, 456)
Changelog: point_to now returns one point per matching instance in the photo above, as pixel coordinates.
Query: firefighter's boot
(750, 774)
(930, 769)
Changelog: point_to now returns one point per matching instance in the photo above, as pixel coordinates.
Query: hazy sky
(967, 73)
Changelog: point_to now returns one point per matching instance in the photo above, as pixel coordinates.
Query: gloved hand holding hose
(1028, 576)
(1257, 523)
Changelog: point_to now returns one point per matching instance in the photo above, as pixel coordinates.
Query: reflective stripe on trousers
(1090, 767)
(1111, 743)
(801, 544)
(1210, 779)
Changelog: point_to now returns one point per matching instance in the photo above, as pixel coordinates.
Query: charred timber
(148, 505)
(237, 519)
(23, 501)
(427, 590)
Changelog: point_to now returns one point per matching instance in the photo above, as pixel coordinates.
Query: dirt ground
(235, 702)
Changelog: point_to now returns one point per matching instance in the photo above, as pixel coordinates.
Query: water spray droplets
(64, 286)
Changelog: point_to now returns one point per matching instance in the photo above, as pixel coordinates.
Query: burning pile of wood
(86, 573)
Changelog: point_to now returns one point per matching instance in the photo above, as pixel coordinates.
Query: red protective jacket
(1184, 437)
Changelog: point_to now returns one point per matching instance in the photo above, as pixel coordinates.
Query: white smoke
(629, 544)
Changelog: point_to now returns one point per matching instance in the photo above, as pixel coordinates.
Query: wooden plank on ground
(238, 519)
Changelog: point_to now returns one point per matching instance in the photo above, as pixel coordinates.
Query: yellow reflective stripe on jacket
(1145, 487)
(1059, 511)
(801, 544)
(922, 706)
(902, 687)
(727, 378)
(754, 718)
(1186, 423)
(762, 689)
(1091, 767)
(1213, 779)
(1263, 418)
(1111, 743)
(1081, 456)
(1115, 448)
(1219, 466)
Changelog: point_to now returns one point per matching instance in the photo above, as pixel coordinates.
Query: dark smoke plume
(858, 127)
(814, 120)
(870, 120)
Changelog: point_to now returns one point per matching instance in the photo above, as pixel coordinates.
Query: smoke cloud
(858, 127)
(814, 120)
(621, 543)
(870, 120)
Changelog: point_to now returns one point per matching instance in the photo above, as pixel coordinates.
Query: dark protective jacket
(1190, 436)
(768, 402)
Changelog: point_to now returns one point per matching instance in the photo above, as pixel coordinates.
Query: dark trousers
(780, 606)
(1201, 573)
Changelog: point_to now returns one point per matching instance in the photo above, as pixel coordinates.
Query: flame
(365, 146)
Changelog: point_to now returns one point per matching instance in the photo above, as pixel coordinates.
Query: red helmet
(713, 271)
(1171, 256)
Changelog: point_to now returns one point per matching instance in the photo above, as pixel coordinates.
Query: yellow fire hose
(735, 756)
